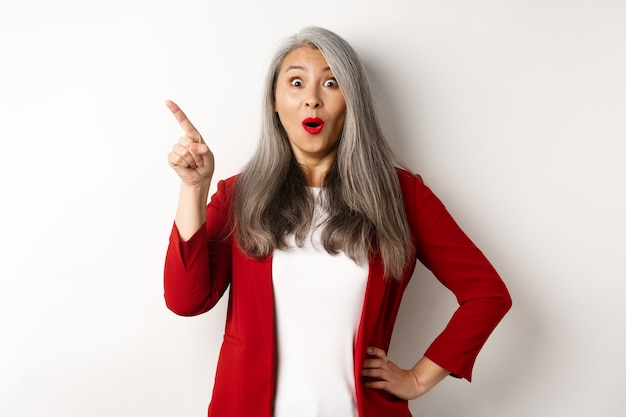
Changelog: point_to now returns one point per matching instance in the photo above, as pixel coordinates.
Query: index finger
(183, 121)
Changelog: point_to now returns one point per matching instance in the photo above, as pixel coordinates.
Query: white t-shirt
(318, 300)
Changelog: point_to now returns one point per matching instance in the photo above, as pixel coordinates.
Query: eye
(296, 82)
(331, 82)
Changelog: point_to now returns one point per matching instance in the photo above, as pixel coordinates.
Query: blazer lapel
(261, 285)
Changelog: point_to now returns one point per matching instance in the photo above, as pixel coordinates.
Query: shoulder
(230, 181)
(409, 181)
(222, 197)
(418, 198)
(227, 185)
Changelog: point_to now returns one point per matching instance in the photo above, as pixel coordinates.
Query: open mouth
(313, 125)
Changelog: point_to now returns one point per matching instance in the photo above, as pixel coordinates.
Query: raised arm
(197, 264)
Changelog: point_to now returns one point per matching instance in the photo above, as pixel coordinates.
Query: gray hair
(363, 195)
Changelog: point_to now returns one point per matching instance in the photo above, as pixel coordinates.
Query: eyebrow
(300, 67)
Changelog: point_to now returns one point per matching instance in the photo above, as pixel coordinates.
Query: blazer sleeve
(198, 271)
(460, 266)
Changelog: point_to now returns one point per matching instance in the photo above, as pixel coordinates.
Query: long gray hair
(362, 192)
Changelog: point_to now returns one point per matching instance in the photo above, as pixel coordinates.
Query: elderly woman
(316, 241)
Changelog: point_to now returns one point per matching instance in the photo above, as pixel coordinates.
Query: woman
(317, 239)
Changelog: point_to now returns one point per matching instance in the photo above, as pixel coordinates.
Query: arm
(197, 265)
(459, 265)
(198, 270)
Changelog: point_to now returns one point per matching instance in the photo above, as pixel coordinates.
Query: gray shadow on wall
(388, 98)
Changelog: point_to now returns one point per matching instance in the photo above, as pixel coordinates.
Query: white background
(513, 111)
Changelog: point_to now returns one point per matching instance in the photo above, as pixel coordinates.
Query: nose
(313, 99)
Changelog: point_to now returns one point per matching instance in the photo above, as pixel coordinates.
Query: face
(310, 106)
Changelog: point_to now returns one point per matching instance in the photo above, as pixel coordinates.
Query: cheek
(283, 103)
(342, 112)
(340, 108)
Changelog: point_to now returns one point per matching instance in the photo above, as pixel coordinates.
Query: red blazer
(198, 272)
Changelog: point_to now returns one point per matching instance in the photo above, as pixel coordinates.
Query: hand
(388, 377)
(191, 158)
(404, 384)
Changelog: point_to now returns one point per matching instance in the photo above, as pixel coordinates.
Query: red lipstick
(313, 125)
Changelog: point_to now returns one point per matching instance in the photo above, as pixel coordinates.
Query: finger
(197, 150)
(374, 363)
(181, 157)
(375, 373)
(377, 352)
(189, 150)
(377, 384)
(189, 129)
(177, 161)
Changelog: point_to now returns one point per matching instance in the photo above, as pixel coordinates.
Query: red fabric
(198, 272)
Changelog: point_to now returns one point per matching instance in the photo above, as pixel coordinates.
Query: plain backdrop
(512, 110)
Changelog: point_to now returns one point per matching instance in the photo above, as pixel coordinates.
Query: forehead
(304, 58)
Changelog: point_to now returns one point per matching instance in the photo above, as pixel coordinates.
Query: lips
(313, 125)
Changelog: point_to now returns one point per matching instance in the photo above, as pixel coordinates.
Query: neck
(315, 169)
(315, 174)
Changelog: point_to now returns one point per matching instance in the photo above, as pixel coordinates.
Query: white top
(318, 300)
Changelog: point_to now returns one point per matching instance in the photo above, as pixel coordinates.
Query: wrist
(200, 186)
(427, 374)
(198, 192)
(191, 212)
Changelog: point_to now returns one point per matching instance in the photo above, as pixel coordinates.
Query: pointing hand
(191, 158)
